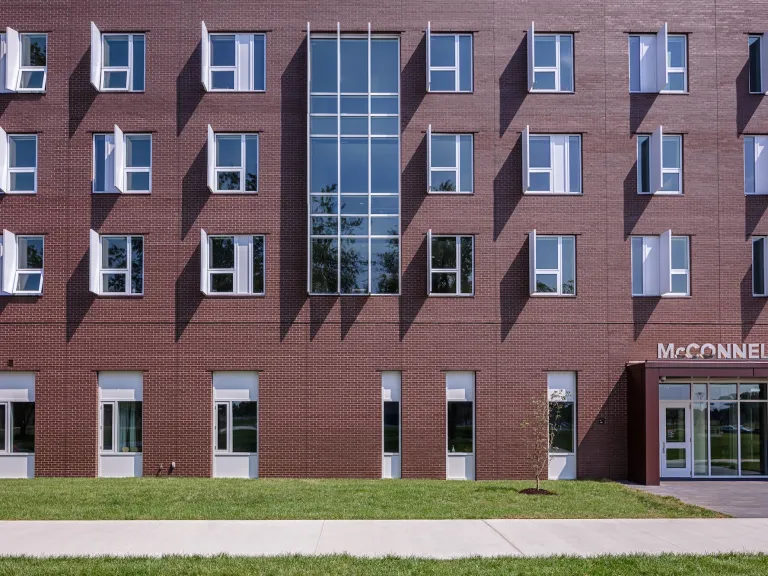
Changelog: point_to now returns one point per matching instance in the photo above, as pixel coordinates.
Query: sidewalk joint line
(319, 536)
(507, 540)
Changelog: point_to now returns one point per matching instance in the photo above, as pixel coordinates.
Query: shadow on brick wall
(413, 288)
(610, 437)
(639, 105)
(507, 188)
(754, 210)
(634, 203)
(101, 207)
(513, 86)
(414, 185)
(751, 306)
(293, 190)
(746, 103)
(319, 308)
(189, 90)
(350, 310)
(194, 191)
(81, 92)
(79, 298)
(642, 310)
(514, 290)
(187, 293)
(414, 83)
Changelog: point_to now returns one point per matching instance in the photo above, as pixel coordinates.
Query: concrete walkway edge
(376, 538)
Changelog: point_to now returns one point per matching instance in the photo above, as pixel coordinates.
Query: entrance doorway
(675, 440)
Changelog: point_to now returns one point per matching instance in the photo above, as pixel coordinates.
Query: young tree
(540, 431)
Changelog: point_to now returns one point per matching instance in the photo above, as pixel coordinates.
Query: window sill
(228, 295)
(465, 92)
(337, 294)
(123, 454)
(20, 91)
(234, 193)
(434, 295)
(545, 295)
(235, 453)
(460, 454)
(19, 193)
(665, 296)
(445, 193)
(534, 91)
(116, 295)
(226, 91)
(660, 194)
(535, 193)
(122, 90)
(16, 454)
(665, 92)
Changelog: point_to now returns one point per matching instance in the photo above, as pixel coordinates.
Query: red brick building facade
(320, 358)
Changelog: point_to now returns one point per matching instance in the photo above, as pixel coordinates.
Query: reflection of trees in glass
(466, 265)
(351, 225)
(544, 287)
(229, 181)
(445, 186)
(116, 283)
(443, 253)
(258, 264)
(36, 54)
(251, 181)
(23, 433)
(34, 255)
(386, 267)
(222, 253)
(354, 266)
(324, 263)
(116, 254)
(137, 265)
(569, 287)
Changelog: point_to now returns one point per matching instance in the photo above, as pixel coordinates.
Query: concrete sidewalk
(424, 538)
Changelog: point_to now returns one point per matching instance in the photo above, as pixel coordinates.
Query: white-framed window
(449, 62)
(233, 161)
(121, 427)
(562, 441)
(122, 163)
(659, 163)
(390, 412)
(451, 265)
(236, 427)
(234, 62)
(17, 427)
(552, 262)
(759, 266)
(22, 264)
(550, 62)
(756, 165)
(658, 62)
(758, 60)
(551, 163)
(117, 264)
(460, 425)
(450, 162)
(18, 163)
(661, 265)
(25, 61)
(232, 265)
(117, 61)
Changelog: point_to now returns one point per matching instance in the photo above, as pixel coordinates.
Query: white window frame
(759, 152)
(455, 69)
(556, 68)
(763, 51)
(533, 236)
(5, 163)
(228, 404)
(656, 169)
(7, 447)
(13, 65)
(116, 427)
(662, 69)
(10, 265)
(457, 162)
(457, 270)
(665, 271)
(763, 292)
(98, 271)
(110, 150)
(238, 240)
(136, 170)
(208, 69)
(554, 139)
(128, 69)
(214, 186)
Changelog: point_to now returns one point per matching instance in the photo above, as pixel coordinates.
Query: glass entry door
(675, 440)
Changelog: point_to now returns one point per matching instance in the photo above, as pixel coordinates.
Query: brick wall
(320, 357)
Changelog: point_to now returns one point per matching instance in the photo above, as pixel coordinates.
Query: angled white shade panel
(532, 262)
(12, 58)
(205, 48)
(429, 261)
(429, 52)
(526, 158)
(665, 262)
(531, 48)
(3, 161)
(662, 70)
(429, 158)
(94, 258)
(211, 148)
(95, 57)
(9, 260)
(203, 261)
(119, 155)
(657, 153)
(764, 63)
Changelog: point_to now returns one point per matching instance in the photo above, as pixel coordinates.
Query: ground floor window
(17, 427)
(121, 427)
(461, 427)
(391, 427)
(236, 427)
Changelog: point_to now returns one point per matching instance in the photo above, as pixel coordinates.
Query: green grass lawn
(271, 499)
(733, 565)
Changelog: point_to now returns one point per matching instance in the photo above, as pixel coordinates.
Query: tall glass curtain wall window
(354, 164)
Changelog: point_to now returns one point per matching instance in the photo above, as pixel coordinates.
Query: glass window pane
(634, 64)
(385, 265)
(252, 163)
(325, 226)
(546, 283)
(354, 104)
(137, 264)
(749, 165)
(676, 81)
(566, 63)
(569, 265)
(258, 264)
(443, 151)
(539, 152)
(32, 80)
(644, 163)
(443, 252)
(354, 205)
(223, 79)
(384, 205)
(259, 61)
(700, 440)
(226, 181)
(637, 265)
(29, 282)
(391, 418)
(23, 427)
(753, 391)
(754, 417)
(466, 159)
(385, 66)
(324, 205)
(723, 422)
(384, 105)
(116, 50)
(544, 80)
(546, 253)
(30, 252)
(106, 427)
(680, 253)
(671, 152)
(354, 65)
(679, 283)
(722, 391)
(228, 150)
(129, 426)
(465, 63)
(137, 181)
(444, 282)
(461, 429)
(114, 253)
(245, 429)
(323, 104)
(138, 62)
(442, 80)
(23, 151)
(113, 283)
(116, 80)
(354, 125)
(561, 427)
(574, 163)
(223, 50)
(755, 80)
(539, 182)
(385, 126)
(676, 51)
(354, 266)
(384, 226)
(138, 151)
(354, 165)
(2, 426)
(34, 48)
(674, 392)
(324, 165)
(443, 50)
(324, 77)
(443, 180)
(670, 182)
(467, 265)
(324, 125)
(324, 266)
(222, 253)
(545, 51)
(674, 424)
(223, 283)
(22, 181)
(221, 427)
(354, 226)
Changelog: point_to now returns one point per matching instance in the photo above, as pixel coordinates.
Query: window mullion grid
(129, 78)
(457, 85)
(229, 427)
(458, 265)
(370, 146)
(338, 159)
(242, 162)
(458, 162)
(557, 63)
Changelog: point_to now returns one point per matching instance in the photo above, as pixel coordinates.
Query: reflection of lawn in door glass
(563, 441)
(724, 453)
(462, 441)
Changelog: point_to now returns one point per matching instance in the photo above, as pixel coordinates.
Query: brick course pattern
(320, 358)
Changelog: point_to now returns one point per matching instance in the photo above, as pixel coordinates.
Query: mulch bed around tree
(535, 492)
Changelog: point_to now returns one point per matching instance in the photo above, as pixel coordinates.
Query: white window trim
(680, 271)
(656, 169)
(128, 69)
(10, 265)
(107, 182)
(116, 428)
(757, 140)
(678, 171)
(209, 69)
(455, 69)
(5, 163)
(555, 68)
(6, 448)
(665, 267)
(565, 396)
(21, 69)
(228, 404)
(206, 271)
(126, 271)
(558, 271)
(457, 270)
(136, 170)
(764, 240)
(457, 162)
(528, 170)
(763, 41)
(240, 168)
(678, 69)
(661, 35)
